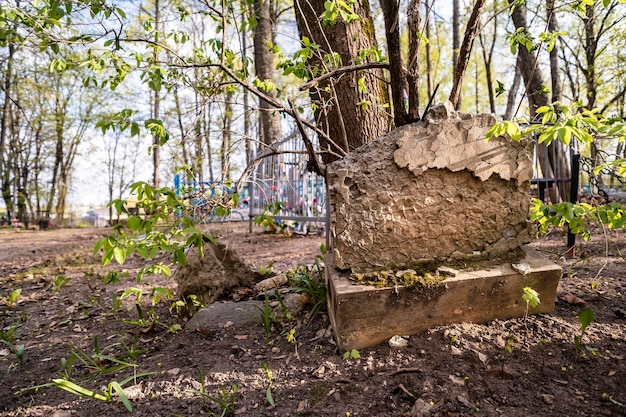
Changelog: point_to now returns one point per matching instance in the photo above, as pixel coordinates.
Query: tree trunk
(429, 63)
(414, 23)
(511, 102)
(553, 158)
(591, 44)
(355, 122)
(5, 168)
(156, 146)
(269, 118)
(555, 71)
(398, 77)
(471, 31)
(456, 40)
(227, 122)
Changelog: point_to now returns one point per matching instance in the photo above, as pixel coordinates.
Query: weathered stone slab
(364, 316)
(215, 316)
(430, 191)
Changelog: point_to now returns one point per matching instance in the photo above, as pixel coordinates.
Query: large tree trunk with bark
(552, 158)
(349, 115)
(269, 118)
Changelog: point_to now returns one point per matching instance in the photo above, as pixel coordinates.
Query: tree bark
(456, 40)
(352, 123)
(269, 118)
(471, 31)
(398, 77)
(555, 71)
(552, 158)
(414, 23)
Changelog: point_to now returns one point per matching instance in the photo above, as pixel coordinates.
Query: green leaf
(119, 254)
(120, 393)
(586, 317)
(531, 297)
(134, 223)
(77, 389)
(268, 396)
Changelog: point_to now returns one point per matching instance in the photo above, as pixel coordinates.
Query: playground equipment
(284, 178)
(207, 198)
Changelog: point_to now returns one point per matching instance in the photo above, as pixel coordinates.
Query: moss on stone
(407, 278)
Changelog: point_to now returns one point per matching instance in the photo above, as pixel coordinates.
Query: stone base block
(364, 316)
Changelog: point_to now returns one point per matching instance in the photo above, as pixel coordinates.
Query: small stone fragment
(398, 342)
(523, 269)
(173, 371)
(548, 399)
(457, 380)
(463, 400)
(420, 409)
(447, 271)
(319, 372)
(302, 405)
(270, 283)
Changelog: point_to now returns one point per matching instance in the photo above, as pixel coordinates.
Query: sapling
(268, 392)
(585, 317)
(354, 354)
(532, 299)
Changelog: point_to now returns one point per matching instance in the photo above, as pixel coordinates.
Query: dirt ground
(519, 367)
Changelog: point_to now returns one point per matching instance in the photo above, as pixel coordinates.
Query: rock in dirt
(215, 316)
(272, 282)
(420, 409)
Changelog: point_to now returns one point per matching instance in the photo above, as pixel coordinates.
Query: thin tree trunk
(511, 102)
(156, 146)
(456, 40)
(414, 23)
(181, 129)
(429, 63)
(555, 71)
(269, 118)
(471, 31)
(5, 168)
(226, 137)
(398, 77)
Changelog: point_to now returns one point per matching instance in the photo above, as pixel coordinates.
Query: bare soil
(520, 367)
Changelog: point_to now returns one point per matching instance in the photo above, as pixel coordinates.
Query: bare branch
(317, 166)
(343, 70)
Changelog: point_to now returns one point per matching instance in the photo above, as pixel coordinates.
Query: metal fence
(283, 178)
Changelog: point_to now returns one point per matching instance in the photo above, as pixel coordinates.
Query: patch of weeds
(224, 399)
(310, 281)
(98, 362)
(266, 270)
(190, 304)
(281, 301)
(59, 282)
(9, 339)
(150, 321)
(267, 318)
(291, 338)
(11, 299)
(586, 317)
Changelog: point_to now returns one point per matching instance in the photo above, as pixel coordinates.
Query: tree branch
(466, 49)
(314, 164)
(342, 70)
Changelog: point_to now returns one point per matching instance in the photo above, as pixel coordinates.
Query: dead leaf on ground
(573, 300)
